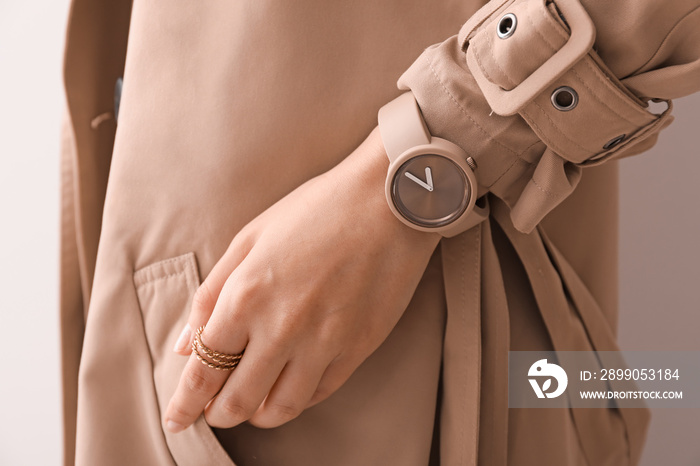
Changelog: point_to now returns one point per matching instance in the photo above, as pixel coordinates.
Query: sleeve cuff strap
(535, 58)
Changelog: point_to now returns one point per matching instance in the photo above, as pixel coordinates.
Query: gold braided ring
(219, 361)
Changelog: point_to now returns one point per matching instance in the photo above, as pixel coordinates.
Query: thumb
(208, 292)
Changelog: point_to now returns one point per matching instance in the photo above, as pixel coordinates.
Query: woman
(239, 162)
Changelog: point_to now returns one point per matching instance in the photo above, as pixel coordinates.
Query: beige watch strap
(401, 126)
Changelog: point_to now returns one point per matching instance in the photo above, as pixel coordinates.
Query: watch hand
(428, 176)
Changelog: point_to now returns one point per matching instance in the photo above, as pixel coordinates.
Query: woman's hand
(310, 288)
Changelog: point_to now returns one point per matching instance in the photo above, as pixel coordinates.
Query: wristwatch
(430, 185)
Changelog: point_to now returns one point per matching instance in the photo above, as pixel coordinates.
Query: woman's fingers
(291, 392)
(335, 375)
(199, 383)
(208, 293)
(247, 386)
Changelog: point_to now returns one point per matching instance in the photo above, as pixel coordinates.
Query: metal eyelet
(614, 142)
(506, 25)
(564, 98)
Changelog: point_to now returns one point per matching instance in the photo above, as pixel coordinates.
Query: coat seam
(514, 162)
(464, 324)
(539, 33)
(489, 39)
(554, 125)
(596, 96)
(463, 111)
(164, 277)
(477, 306)
(544, 190)
(550, 143)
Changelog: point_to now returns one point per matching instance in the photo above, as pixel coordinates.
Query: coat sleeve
(537, 90)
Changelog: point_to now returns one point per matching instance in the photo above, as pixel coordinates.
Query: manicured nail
(184, 339)
(174, 427)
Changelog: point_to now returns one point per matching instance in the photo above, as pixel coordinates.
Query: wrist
(365, 171)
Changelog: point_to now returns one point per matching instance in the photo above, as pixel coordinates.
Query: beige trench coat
(228, 106)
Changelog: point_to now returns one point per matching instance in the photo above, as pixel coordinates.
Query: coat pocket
(165, 290)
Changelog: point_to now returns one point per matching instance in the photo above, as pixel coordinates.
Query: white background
(31, 41)
(659, 253)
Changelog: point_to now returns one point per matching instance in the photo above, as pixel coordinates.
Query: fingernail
(184, 339)
(174, 427)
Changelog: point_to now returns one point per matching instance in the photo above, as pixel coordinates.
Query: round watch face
(430, 190)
